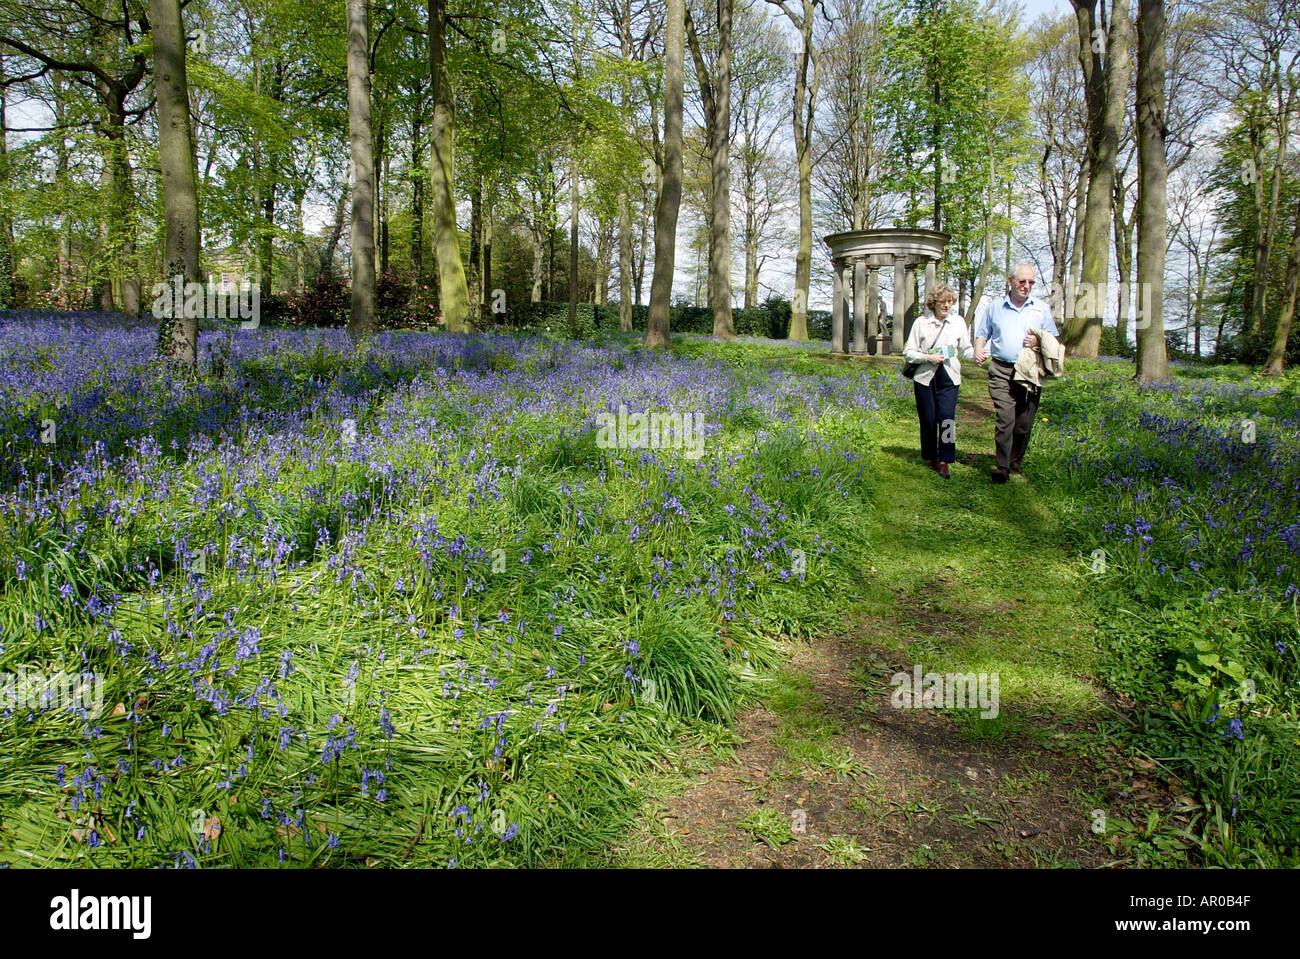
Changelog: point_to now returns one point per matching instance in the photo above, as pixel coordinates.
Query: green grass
(843, 851)
(769, 826)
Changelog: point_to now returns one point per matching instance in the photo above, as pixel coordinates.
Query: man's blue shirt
(1004, 325)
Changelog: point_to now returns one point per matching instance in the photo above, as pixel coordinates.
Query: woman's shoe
(943, 470)
(934, 465)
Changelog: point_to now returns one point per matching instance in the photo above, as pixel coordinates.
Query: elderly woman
(938, 342)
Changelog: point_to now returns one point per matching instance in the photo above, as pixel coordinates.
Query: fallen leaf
(118, 710)
(212, 829)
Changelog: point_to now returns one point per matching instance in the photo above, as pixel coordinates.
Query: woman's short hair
(941, 291)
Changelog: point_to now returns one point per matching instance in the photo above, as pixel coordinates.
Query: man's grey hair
(1011, 277)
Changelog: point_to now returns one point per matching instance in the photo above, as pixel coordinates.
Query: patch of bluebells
(147, 455)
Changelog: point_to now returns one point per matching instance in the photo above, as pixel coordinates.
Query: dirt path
(829, 773)
(874, 786)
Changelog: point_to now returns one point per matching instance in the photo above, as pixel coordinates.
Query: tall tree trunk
(489, 294)
(417, 200)
(381, 196)
(985, 265)
(121, 231)
(624, 207)
(6, 221)
(715, 90)
(936, 144)
(1106, 89)
(720, 249)
(805, 103)
(300, 242)
(624, 263)
(539, 264)
(454, 298)
(575, 196)
(670, 193)
(377, 161)
(1267, 237)
(340, 214)
(1123, 262)
(642, 246)
(1200, 301)
(363, 170)
(178, 334)
(64, 270)
(1277, 354)
(474, 275)
(751, 239)
(104, 259)
(266, 260)
(1153, 171)
(1080, 215)
(574, 199)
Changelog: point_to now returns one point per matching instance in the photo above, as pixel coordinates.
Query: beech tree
(363, 170)
(807, 82)
(1105, 56)
(178, 336)
(715, 92)
(670, 190)
(1152, 363)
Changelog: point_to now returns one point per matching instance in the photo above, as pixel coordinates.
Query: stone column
(837, 314)
(859, 306)
(930, 278)
(910, 309)
(845, 273)
(900, 304)
(873, 310)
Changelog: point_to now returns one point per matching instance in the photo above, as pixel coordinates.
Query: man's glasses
(1024, 282)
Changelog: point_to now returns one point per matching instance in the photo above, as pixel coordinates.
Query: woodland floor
(951, 582)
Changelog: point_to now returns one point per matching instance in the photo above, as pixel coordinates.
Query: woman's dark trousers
(936, 407)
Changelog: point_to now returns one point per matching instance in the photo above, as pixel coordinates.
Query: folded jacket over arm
(1034, 364)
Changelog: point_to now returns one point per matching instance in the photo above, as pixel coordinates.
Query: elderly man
(1002, 328)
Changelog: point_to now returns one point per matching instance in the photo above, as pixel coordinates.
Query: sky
(1034, 7)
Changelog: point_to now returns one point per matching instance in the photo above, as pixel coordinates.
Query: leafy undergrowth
(390, 603)
(1185, 503)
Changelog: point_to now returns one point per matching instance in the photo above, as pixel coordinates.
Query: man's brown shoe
(999, 475)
